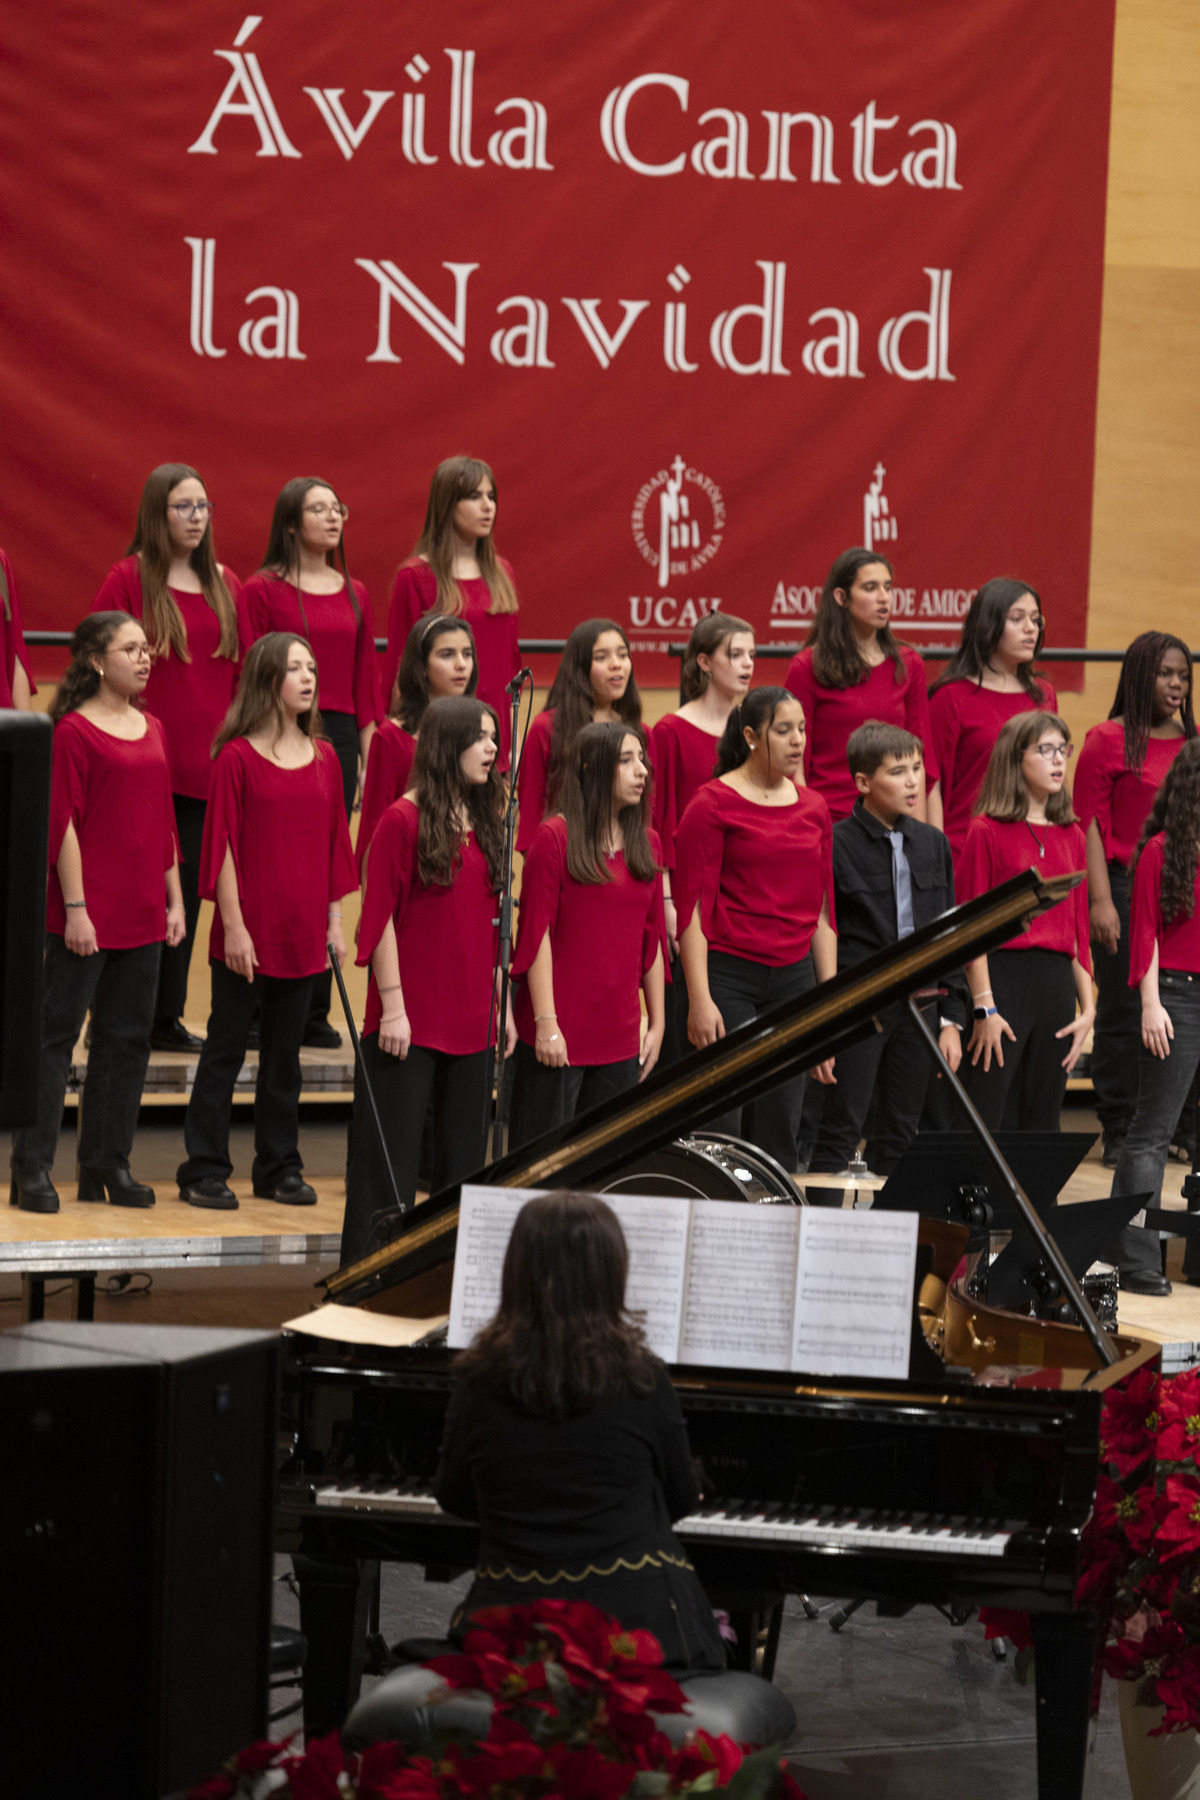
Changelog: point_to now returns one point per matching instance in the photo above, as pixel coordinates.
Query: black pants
(892, 1067)
(457, 1086)
(283, 1004)
(544, 1098)
(675, 1038)
(1117, 1037)
(119, 986)
(176, 960)
(1035, 991)
(741, 990)
(342, 731)
(1163, 1085)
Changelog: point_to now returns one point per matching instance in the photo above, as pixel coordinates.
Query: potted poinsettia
(573, 1704)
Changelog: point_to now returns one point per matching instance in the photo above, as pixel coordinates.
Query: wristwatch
(984, 1012)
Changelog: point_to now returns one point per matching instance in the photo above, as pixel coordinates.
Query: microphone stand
(493, 1115)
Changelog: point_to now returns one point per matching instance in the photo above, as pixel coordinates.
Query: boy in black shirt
(891, 874)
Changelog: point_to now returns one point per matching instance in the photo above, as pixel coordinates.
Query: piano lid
(673, 1101)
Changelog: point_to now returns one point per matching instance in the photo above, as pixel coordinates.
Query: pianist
(566, 1441)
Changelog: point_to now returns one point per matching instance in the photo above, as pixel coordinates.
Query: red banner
(717, 290)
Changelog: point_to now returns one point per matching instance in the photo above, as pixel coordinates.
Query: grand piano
(939, 1488)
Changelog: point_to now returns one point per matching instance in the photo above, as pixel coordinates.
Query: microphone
(518, 681)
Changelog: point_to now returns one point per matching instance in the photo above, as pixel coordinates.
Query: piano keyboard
(827, 1528)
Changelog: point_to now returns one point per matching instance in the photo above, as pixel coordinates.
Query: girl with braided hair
(1164, 962)
(1121, 767)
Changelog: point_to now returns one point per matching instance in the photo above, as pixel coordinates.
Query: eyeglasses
(1026, 619)
(135, 652)
(191, 509)
(1055, 752)
(322, 511)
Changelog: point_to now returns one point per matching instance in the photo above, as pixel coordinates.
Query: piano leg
(1065, 1659)
(335, 1605)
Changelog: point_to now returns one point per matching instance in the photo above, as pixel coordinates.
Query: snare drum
(709, 1167)
(1101, 1284)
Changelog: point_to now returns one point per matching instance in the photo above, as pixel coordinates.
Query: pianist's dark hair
(562, 1339)
(1176, 813)
(757, 713)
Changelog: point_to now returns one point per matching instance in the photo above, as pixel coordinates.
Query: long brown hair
(163, 621)
(982, 630)
(80, 681)
(562, 1339)
(449, 727)
(586, 806)
(572, 700)
(1176, 813)
(412, 678)
(708, 634)
(837, 660)
(454, 480)
(1004, 795)
(282, 555)
(256, 703)
(4, 594)
(1134, 700)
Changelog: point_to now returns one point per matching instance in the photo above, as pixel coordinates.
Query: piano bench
(742, 1706)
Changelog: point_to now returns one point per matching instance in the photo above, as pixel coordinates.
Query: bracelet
(393, 987)
(71, 903)
(335, 914)
(538, 1017)
(985, 1012)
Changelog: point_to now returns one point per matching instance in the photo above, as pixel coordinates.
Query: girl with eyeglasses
(171, 582)
(987, 681)
(1032, 999)
(456, 570)
(853, 669)
(1122, 765)
(112, 902)
(304, 588)
(16, 683)
(438, 663)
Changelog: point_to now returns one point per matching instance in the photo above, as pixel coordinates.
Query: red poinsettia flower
(638, 1739)
(1129, 1420)
(586, 1775)
(999, 1622)
(217, 1787)
(1179, 1531)
(1179, 1419)
(789, 1787)
(701, 1755)
(1178, 1690)
(314, 1776)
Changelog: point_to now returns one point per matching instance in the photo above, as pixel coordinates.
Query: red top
(996, 850)
(831, 714)
(444, 935)
(414, 593)
(1179, 942)
(117, 794)
(759, 873)
(532, 778)
(684, 757)
(291, 852)
(12, 639)
(604, 937)
(347, 667)
(389, 765)
(965, 720)
(189, 698)
(1119, 800)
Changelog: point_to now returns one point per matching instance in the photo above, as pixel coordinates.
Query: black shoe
(292, 1190)
(115, 1185)
(211, 1192)
(1110, 1154)
(319, 1034)
(33, 1191)
(1145, 1281)
(173, 1034)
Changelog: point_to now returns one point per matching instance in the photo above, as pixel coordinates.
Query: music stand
(1081, 1230)
(949, 1175)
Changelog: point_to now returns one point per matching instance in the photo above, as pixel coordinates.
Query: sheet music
(740, 1285)
(656, 1231)
(486, 1217)
(854, 1292)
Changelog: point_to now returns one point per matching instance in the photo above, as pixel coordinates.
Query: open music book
(725, 1284)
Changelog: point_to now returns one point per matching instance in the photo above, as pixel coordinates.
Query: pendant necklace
(1040, 842)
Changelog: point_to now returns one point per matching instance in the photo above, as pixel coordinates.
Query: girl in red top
(429, 936)
(1025, 995)
(754, 893)
(112, 900)
(277, 860)
(592, 936)
(171, 581)
(438, 663)
(854, 670)
(304, 588)
(455, 570)
(16, 683)
(987, 681)
(594, 684)
(1121, 767)
(1164, 962)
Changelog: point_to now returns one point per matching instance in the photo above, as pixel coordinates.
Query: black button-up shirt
(865, 894)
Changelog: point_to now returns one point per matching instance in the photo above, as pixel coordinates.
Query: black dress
(581, 1509)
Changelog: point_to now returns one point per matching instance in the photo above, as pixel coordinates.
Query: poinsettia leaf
(648, 1783)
